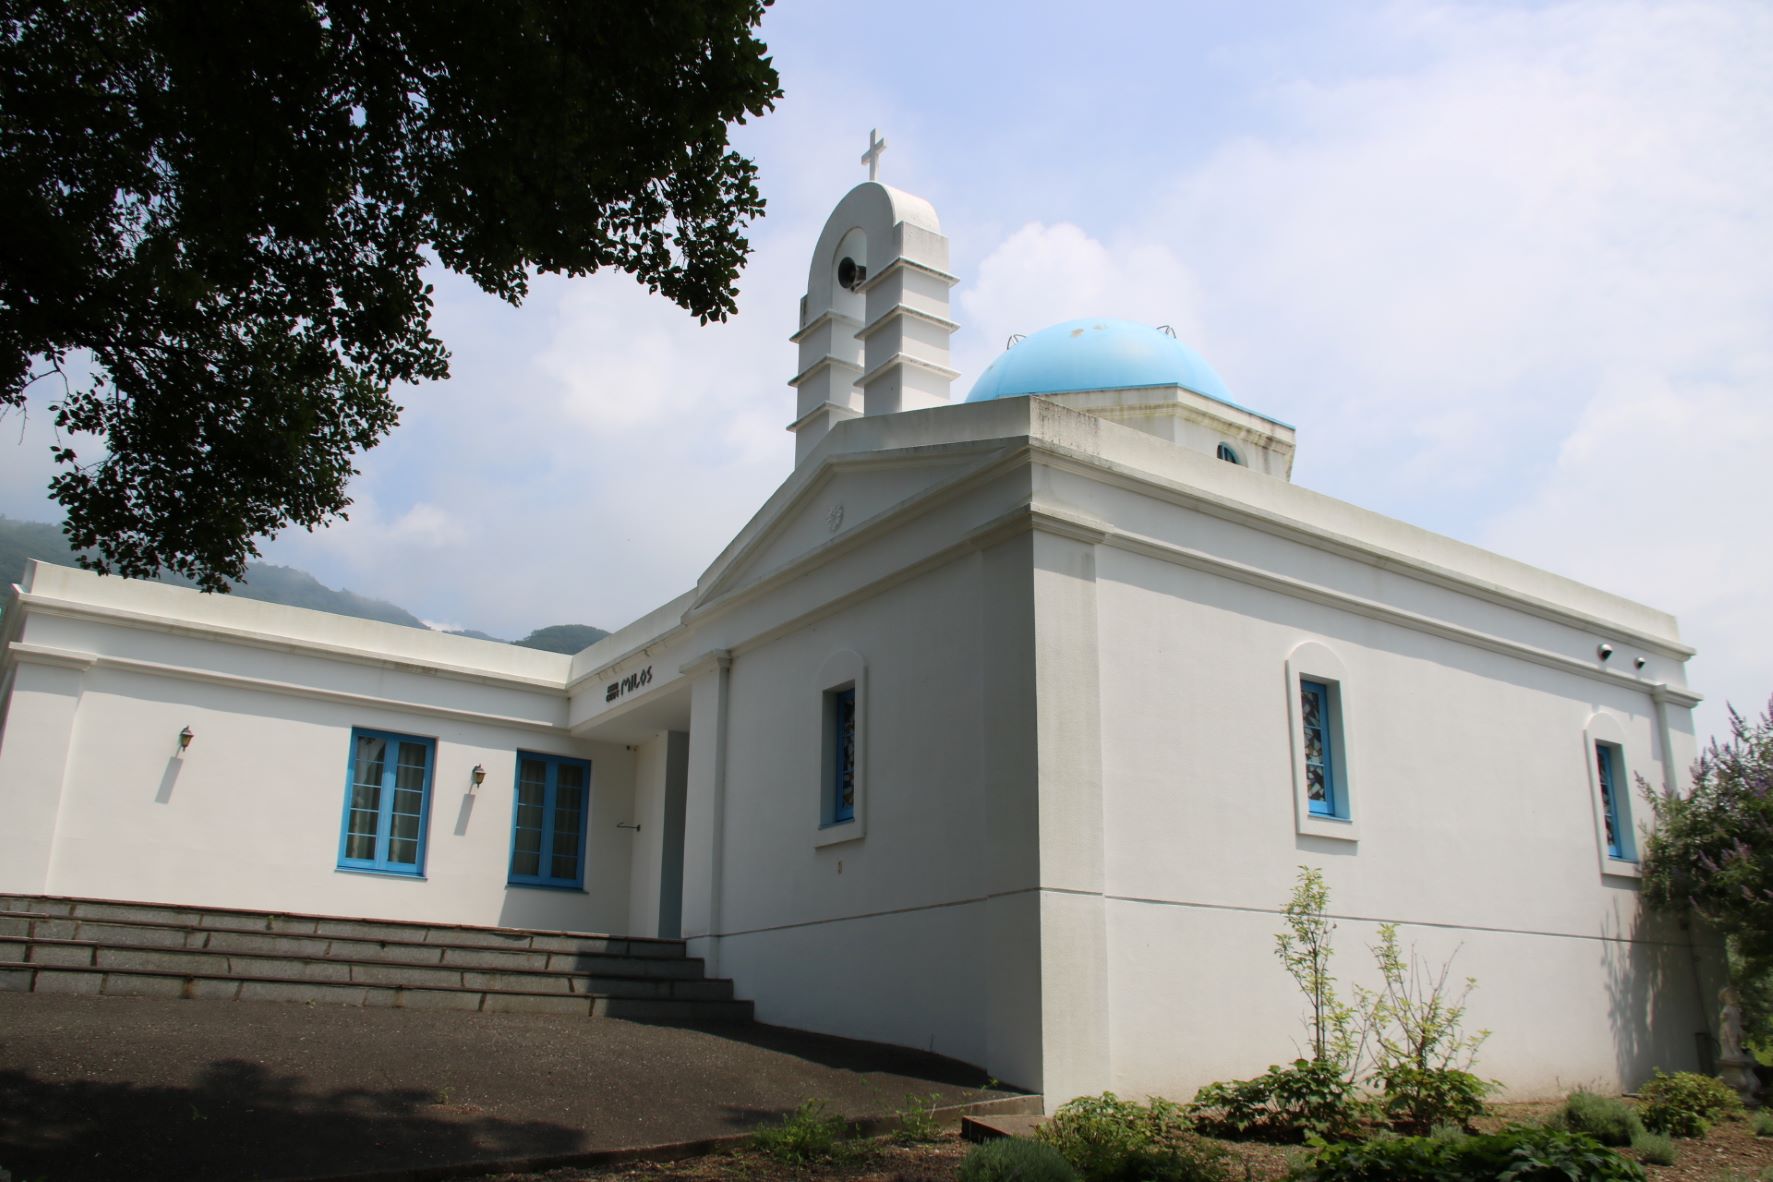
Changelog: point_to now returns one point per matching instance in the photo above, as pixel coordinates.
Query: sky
(1507, 267)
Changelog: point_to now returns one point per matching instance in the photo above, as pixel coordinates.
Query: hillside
(21, 541)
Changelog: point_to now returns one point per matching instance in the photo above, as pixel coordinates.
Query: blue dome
(1096, 355)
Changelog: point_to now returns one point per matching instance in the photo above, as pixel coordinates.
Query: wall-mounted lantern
(185, 737)
(477, 777)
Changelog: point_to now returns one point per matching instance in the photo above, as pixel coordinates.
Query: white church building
(1001, 730)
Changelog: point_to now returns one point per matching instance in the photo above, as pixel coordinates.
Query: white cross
(871, 157)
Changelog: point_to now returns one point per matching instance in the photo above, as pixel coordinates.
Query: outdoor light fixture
(1605, 652)
(1640, 662)
(478, 775)
(185, 737)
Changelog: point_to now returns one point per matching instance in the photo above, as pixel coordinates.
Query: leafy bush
(1519, 1155)
(1711, 850)
(1420, 1098)
(1608, 1120)
(1763, 1125)
(1421, 1053)
(803, 1136)
(1685, 1104)
(1656, 1148)
(1310, 1098)
(1015, 1159)
(1108, 1139)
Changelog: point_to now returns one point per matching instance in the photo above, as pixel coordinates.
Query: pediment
(820, 508)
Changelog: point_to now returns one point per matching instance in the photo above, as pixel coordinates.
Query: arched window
(842, 749)
(1320, 713)
(1229, 454)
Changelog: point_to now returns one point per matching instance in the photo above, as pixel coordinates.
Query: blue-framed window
(843, 763)
(1609, 763)
(548, 821)
(387, 803)
(1320, 753)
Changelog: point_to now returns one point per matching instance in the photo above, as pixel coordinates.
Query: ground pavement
(107, 1089)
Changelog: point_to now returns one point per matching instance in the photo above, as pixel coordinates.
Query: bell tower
(874, 323)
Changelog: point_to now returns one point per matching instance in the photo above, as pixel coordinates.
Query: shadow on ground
(241, 1121)
(848, 1054)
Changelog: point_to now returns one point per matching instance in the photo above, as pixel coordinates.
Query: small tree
(1305, 947)
(1422, 1056)
(1712, 850)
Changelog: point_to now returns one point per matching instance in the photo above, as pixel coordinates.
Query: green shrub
(1608, 1120)
(1014, 1159)
(1656, 1148)
(1098, 1135)
(1418, 1098)
(1764, 1123)
(1518, 1155)
(802, 1137)
(1685, 1104)
(1310, 1098)
(917, 1120)
(1107, 1139)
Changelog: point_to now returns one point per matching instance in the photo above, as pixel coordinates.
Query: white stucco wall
(882, 937)
(109, 672)
(1477, 832)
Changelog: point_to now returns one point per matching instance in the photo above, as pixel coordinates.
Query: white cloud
(1516, 286)
(428, 526)
(1043, 274)
(1505, 267)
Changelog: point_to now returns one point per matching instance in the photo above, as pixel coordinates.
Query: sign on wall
(628, 684)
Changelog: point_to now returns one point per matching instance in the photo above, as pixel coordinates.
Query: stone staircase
(60, 945)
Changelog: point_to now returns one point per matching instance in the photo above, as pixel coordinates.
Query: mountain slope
(21, 541)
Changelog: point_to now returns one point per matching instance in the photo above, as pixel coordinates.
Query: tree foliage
(223, 212)
(1712, 850)
(1305, 945)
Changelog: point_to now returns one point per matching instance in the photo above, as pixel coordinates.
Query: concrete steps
(134, 949)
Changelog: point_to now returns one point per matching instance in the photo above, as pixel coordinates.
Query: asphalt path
(107, 1089)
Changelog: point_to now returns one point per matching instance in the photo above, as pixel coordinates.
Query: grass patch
(917, 1120)
(1656, 1148)
(1609, 1120)
(1013, 1159)
(809, 1136)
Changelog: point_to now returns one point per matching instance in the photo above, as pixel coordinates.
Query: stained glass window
(387, 801)
(843, 788)
(548, 824)
(1320, 764)
(1603, 757)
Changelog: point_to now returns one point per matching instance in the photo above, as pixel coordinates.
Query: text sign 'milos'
(628, 684)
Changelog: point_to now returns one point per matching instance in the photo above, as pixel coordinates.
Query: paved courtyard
(106, 1088)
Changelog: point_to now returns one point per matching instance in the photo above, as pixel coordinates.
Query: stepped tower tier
(874, 323)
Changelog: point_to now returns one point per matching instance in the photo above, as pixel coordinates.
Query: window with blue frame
(548, 822)
(843, 763)
(1608, 764)
(1320, 754)
(387, 803)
